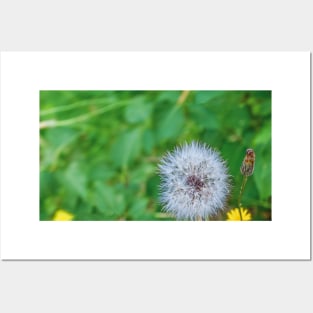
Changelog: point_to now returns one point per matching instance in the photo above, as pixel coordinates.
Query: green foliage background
(99, 149)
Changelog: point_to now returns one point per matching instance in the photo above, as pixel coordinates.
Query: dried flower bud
(247, 166)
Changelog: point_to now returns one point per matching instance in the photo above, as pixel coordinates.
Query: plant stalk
(242, 188)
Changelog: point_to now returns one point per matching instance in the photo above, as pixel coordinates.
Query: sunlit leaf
(127, 147)
(171, 125)
(138, 110)
(107, 200)
(263, 136)
(207, 95)
(138, 209)
(75, 179)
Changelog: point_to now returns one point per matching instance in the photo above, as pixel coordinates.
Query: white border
(287, 74)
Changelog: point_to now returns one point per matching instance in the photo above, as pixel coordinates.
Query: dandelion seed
(194, 182)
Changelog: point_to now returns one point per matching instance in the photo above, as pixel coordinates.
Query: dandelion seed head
(194, 181)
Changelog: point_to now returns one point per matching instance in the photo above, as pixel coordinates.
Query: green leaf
(204, 117)
(140, 174)
(108, 201)
(262, 109)
(138, 110)
(148, 141)
(138, 211)
(171, 124)
(153, 190)
(104, 198)
(49, 205)
(264, 135)
(170, 96)
(127, 147)
(101, 172)
(47, 183)
(206, 96)
(262, 177)
(233, 155)
(68, 200)
(58, 137)
(74, 179)
(235, 117)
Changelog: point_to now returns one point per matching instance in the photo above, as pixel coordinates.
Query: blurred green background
(99, 150)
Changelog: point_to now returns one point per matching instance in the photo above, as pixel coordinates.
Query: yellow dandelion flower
(234, 215)
(62, 215)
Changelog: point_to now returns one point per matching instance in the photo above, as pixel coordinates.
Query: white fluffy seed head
(194, 182)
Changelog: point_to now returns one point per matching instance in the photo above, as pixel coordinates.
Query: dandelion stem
(242, 188)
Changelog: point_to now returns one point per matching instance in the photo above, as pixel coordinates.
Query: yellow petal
(62, 215)
(234, 215)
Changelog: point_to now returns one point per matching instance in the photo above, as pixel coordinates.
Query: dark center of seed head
(195, 182)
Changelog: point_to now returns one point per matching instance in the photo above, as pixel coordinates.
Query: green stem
(75, 105)
(242, 188)
(74, 120)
